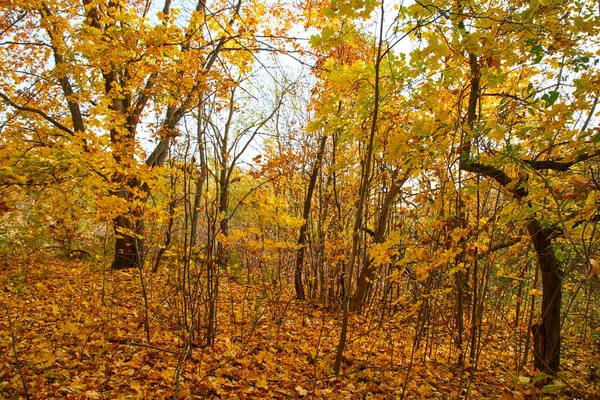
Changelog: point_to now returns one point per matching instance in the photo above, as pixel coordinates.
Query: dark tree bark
(547, 334)
(129, 249)
(365, 278)
(129, 228)
(302, 236)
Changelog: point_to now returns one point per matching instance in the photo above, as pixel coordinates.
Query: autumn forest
(325, 199)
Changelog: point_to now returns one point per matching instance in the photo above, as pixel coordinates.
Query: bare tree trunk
(547, 334)
(302, 237)
(201, 178)
(129, 243)
(365, 279)
(168, 234)
(364, 188)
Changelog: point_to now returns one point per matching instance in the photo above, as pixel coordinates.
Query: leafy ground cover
(68, 330)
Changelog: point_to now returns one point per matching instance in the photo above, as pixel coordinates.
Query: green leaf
(315, 40)
(550, 389)
(530, 41)
(524, 380)
(538, 52)
(550, 98)
(553, 96)
(540, 377)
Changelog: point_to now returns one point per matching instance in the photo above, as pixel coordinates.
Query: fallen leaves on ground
(79, 333)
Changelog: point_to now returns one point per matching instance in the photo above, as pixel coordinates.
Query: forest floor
(67, 330)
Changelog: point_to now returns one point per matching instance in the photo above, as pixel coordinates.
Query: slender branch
(25, 44)
(557, 165)
(38, 112)
(14, 348)
(508, 95)
(499, 246)
(174, 114)
(65, 84)
(591, 114)
(133, 343)
(496, 174)
(142, 101)
(16, 21)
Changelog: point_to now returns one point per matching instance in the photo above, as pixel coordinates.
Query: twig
(14, 347)
(289, 396)
(132, 343)
(573, 388)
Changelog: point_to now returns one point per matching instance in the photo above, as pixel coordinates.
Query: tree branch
(496, 174)
(557, 165)
(38, 112)
(63, 80)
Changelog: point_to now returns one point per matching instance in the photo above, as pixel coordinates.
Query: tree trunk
(224, 223)
(129, 245)
(168, 236)
(547, 333)
(129, 226)
(362, 198)
(302, 237)
(365, 279)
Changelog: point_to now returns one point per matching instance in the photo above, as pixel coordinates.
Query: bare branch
(557, 165)
(496, 174)
(38, 112)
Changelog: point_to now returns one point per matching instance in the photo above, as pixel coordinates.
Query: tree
(513, 127)
(91, 74)
(302, 236)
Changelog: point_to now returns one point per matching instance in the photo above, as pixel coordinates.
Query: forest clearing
(329, 199)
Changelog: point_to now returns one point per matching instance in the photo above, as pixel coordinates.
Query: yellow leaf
(497, 131)
(262, 383)
(49, 360)
(168, 373)
(92, 394)
(135, 385)
(68, 327)
(594, 266)
(535, 292)
(301, 391)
